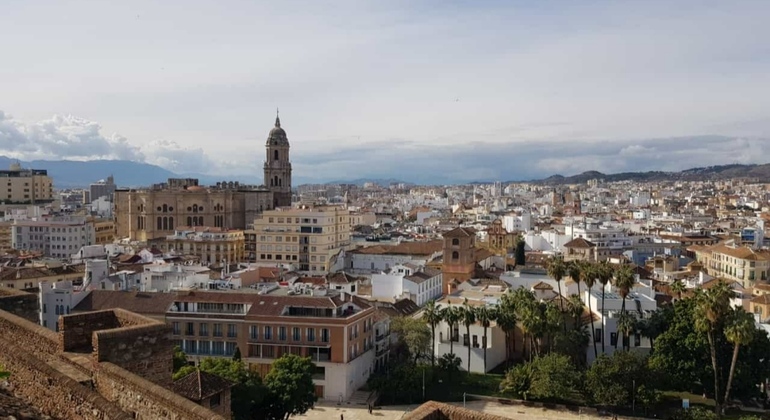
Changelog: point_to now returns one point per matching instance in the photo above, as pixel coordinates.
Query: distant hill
(362, 181)
(761, 173)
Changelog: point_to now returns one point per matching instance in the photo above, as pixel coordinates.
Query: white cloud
(174, 157)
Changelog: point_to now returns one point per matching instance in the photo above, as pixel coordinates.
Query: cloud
(174, 157)
(62, 137)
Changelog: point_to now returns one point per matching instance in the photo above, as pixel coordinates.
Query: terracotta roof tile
(199, 385)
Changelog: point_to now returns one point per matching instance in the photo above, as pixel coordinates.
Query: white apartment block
(56, 237)
(417, 283)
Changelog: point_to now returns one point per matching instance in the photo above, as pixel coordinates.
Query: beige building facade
(308, 236)
(25, 186)
(212, 245)
(737, 263)
(155, 212)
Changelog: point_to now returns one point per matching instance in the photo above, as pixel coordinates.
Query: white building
(55, 237)
(161, 277)
(60, 297)
(417, 283)
(518, 222)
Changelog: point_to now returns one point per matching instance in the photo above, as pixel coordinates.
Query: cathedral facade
(156, 211)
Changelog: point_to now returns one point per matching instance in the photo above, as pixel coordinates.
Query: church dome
(277, 136)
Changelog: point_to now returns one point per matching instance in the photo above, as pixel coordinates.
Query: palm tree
(740, 332)
(556, 270)
(432, 316)
(485, 315)
(451, 316)
(652, 327)
(575, 270)
(626, 325)
(604, 273)
(576, 310)
(505, 317)
(678, 287)
(525, 304)
(624, 281)
(712, 307)
(468, 317)
(588, 276)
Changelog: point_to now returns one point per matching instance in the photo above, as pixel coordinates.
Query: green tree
(693, 413)
(485, 315)
(678, 287)
(624, 282)
(520, 253)
(740, 332)
(626, 326)
(575, 272)
(237, 354)
(415, 335)
(468, 318)
(452, 316)
(653, 326)
(573, 343)
(431, 315)
(180, 359)
(525, 305)
(549, 377)
(557, 269)
(612, 381)
(576, 309)
(3, 373)
(506, 320)
(290, 386)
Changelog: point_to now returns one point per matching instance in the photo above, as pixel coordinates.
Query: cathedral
(159, 210)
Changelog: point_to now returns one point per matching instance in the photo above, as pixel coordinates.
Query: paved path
(331, 411)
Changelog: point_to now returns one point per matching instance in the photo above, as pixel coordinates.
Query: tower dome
(277, 136)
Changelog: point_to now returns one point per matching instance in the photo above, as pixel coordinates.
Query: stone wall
(76, 331)
(31, 336)
(53, 393)
(146, 350)
(22, 304)
(144, 399)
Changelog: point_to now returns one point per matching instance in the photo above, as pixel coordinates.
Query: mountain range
(75, 174)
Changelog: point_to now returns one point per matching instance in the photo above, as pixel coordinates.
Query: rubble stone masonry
(19, 303)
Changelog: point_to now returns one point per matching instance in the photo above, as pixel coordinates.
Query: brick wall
(76, 331)
(19, 303)
(146, 350)
(32, 337)
(55, 394)
(145, 399)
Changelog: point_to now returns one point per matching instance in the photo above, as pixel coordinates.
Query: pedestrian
(370, 408)
(342, 417)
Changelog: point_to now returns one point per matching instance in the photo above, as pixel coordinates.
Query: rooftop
(199, 385)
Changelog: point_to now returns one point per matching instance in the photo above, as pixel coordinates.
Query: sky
(419, 90)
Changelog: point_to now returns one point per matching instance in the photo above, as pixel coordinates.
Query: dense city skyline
(505, 91)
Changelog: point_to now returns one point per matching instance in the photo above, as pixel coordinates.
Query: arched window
(275, 155)
(160, 223)
(189, 221)
(171, 223)
(276, 181)
(165, 223)
(165, 208)
(455, 255)
(56, 308)
(455, 241)
(271, 182)
(280, 182)
(200, 220)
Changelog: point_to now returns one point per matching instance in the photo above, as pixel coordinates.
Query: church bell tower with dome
(278, 166)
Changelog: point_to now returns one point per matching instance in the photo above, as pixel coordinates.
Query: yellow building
(212, 245)
(307, 236)
(731, 262)
(25, 186)
(104, 230)
(5, 236)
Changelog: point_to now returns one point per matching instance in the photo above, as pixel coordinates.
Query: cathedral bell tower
(278, 166)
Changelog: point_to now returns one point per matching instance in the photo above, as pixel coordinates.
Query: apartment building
(57, 237)
(6, 229)
(214, 246)
(25, 186)
(335, 329)
(733, 262)
(104, 231)
(310, 236)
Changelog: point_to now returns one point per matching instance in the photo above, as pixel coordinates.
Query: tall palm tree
(576, 310)
(678, 287)
(604, 274)
(712, 307)
(485, 315)
(525, 304)
(505, 317)
(652, 327)
(740, 332)
(468, 317)
(575, 271)
(624, 282)
(431, 315)
(451, 315)
(588, 276)
(626, 326)
(557, 269)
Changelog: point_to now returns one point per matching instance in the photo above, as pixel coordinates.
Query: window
(203, 330)
(268, 351)
(254, 332)
(204, 347)
(215, 400)
(176, 328)
(311, 334)
(218, 347)
(229, 348)
(282, 333)
(455, 242)
(189, 328)
(598, 335)
(455, 255)
(217, 330)
(475, 341)
(324, 335)
(295, 334)
(232, 331)
(613, 339)
(466, 340)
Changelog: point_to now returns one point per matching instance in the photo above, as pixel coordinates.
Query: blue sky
(366, 86)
